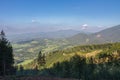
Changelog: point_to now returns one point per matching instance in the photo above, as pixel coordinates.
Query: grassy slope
(58, 57)
(66, 54)
(62, 57)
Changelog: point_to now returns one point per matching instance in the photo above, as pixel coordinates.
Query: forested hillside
(103, 63)
(86, 62)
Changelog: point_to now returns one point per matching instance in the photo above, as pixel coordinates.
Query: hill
(110, 34)
(107, 35)
(99, 62)
(85, 50)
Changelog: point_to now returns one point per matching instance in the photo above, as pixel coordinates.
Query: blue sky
(59, 14)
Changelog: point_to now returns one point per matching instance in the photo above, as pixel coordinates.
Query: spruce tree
(6, 56)
(41, 59)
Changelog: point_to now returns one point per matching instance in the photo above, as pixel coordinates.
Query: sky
(50, 15)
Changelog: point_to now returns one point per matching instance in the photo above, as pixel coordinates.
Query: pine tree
(6, 56)
(41, 59)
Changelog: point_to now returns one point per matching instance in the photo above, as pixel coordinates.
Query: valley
(25, 50)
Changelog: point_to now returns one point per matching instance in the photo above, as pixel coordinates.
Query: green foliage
(6, 56)
(41, 59)
(72, 68)
(77, 65)
(66, 54)
(103, 66)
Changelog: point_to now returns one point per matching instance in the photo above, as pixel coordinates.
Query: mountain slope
(108, 35)
(86, 51)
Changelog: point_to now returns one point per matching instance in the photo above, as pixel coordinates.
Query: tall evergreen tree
(41, 59)
(6, 56)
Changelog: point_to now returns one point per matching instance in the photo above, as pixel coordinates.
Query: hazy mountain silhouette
(111, 34)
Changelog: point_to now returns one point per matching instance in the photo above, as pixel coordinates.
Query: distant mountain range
(111, 34)
(43, 35)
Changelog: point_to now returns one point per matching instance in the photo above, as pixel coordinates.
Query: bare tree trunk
(4, 67)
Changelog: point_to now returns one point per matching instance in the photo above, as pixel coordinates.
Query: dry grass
(93, 54)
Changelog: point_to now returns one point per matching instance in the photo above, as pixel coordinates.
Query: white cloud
(84, 26)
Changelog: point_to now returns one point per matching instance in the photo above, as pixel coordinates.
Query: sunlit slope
(86, 51)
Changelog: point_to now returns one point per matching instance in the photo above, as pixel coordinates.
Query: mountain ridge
(107, 35)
